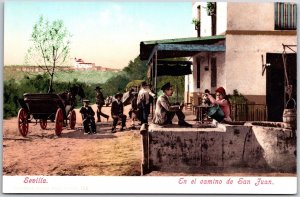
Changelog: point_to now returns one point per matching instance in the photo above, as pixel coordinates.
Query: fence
(248, 112)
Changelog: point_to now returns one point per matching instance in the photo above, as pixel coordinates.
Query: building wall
(250, 33)
(205, 75)
(250, 16)
(244, 62)
(191, 89)
(244, 49)
(221, 18)
(206, 20)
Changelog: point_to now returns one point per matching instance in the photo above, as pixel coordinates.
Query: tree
(136, 69)
(50, 47)
(115, 84)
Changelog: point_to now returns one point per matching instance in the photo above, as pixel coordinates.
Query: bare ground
(73, 153)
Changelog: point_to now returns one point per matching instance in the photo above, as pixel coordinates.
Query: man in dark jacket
(88, 117)
(100, 102)
(117, 112)
(143, 101)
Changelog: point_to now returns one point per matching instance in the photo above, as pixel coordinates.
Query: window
(198, 72)
(213, 63)
(285, 16)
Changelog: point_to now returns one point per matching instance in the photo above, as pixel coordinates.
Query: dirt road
(73, 153)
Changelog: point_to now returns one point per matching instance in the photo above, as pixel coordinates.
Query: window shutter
(285, 16)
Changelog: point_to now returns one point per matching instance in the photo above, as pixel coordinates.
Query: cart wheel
(72, 119)
(23, 122)
(43, 123)
(59, 122)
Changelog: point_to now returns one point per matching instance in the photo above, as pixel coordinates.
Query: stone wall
(226, 148)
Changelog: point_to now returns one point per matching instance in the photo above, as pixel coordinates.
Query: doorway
(275, 82)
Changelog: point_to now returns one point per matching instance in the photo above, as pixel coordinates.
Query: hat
(118, 95)
(166, 86)
(98, 88)
(221, 90)
(86, 100)
(206, 91)
(144, 83)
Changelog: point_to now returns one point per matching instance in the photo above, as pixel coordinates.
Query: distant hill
(39, 69)
(87, 76)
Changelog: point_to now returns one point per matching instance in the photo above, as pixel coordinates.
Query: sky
(105, 33)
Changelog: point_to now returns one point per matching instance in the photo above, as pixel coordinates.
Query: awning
(181, 47)
(154, 51)
(173, 68)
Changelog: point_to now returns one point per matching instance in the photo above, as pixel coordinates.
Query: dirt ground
(73, 153)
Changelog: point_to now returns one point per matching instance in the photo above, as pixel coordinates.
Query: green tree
(115, 84)
(50, 47)
(176, 81)
(178, 87)
(10, 97)
(136, 69)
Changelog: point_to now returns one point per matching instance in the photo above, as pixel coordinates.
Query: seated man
(117, 112)
(88, 117)
(164, 112)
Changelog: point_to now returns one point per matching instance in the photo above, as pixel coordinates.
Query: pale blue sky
(106, 33)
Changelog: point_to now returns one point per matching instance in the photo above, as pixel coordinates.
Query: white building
(235, 45)
(80, 64)
(251, 43)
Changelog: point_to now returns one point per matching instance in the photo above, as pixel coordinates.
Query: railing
(248, 112)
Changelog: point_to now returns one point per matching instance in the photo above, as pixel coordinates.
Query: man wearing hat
(117, 110)
(134, 112)
(164, 112)
(100, 102)
(87, 114)
(143, 101)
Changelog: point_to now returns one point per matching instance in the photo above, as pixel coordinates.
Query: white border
(134, 185)
(149, 185)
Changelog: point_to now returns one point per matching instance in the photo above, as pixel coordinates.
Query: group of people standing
(141, 105)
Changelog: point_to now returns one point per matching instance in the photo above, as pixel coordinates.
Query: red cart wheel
(23, 122)
(43, 123)
(72, 116)
(59, 122)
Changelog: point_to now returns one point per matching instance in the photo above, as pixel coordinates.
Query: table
(200, 109)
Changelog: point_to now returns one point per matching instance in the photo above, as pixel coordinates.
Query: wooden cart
(42, 108)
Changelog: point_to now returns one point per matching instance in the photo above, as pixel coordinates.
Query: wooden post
(152, 74)
(155, 74)
(145, 168)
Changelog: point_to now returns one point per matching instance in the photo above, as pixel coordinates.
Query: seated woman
(222, 101)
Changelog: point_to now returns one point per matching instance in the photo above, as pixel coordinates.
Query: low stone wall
(226, 148)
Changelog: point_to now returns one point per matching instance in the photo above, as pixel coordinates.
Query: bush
(135, 84)
(178, 86)
(237, 98)
(14, 91)
(114, 85)
(11, 95)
